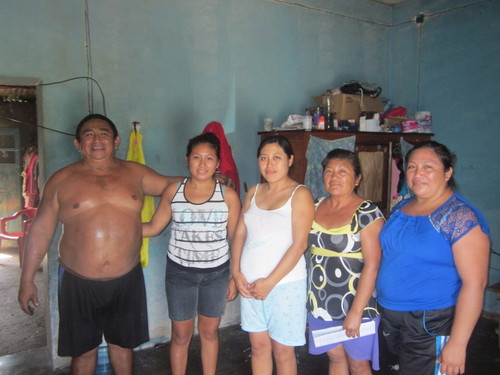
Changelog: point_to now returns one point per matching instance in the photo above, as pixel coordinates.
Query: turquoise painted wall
(449, 65)
(177, 65)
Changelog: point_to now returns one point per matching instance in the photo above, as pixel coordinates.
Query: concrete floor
(18, 331)
(483, 357)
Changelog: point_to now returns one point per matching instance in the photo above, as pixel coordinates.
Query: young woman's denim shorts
(190, 293)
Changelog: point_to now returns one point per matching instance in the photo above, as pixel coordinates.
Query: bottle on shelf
(321, 123)
(329, 115)
(317, 114)
(307, 123)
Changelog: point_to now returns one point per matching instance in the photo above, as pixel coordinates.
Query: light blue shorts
(282, 313)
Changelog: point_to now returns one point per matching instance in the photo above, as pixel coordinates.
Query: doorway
(19, 142)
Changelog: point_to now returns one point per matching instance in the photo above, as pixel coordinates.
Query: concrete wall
(449, 65)
(177, 65)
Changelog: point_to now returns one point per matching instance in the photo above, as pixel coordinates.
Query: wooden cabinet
(382, 147)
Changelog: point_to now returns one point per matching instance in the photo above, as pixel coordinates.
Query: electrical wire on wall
(419, 55)
(37, 125)
(327, 11)
(335, 13)
(89, 80)
(419, 21)
(88, 55)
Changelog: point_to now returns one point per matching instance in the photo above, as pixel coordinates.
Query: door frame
(36, 82)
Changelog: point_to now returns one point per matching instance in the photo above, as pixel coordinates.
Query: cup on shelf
(268, 124)
(308, 123)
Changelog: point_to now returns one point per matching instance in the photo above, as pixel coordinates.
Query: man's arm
(154, 183)
(37, 245)
(162, 215)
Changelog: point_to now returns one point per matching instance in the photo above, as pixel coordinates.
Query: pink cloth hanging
(227, 165)
(31, 192)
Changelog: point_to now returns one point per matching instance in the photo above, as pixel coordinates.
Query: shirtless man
(98, 200)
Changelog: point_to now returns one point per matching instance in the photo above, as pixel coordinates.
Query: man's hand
(28, 297)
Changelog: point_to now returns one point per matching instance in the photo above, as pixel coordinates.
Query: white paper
(337, 334)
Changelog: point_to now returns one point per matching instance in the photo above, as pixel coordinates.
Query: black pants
(416, 337)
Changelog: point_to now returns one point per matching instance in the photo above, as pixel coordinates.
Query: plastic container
(268, 124)
(424, 119)
(308, 123)
(409, 126)
(103, 365)
(321, 123)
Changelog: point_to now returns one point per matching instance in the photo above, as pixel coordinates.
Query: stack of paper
(337, 334)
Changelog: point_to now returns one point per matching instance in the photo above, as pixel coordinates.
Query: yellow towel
(135, 153)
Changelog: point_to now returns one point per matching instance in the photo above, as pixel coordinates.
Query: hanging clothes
(136, 153)
(31, 192)
(317, 149)
(372, 169)
(227, 166)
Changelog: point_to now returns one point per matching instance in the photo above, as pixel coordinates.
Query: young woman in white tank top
(267, 260)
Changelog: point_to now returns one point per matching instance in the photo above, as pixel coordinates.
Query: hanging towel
(227, 166)
(317, 149)
(372, 168)
(135, 153)
(31, 191)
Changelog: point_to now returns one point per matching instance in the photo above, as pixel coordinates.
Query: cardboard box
(392, 121)
(349, 107)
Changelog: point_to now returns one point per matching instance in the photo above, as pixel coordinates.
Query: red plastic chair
(30, 214)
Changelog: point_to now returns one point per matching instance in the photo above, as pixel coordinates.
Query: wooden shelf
(387, 143)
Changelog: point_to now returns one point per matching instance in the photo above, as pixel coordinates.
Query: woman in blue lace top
(435, 252)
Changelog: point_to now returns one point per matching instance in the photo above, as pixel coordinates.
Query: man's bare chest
(97, 193)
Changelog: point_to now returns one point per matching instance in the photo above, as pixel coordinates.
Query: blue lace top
(417, 270)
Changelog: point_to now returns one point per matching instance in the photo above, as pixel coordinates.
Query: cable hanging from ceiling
(88, 55)
(89, 79)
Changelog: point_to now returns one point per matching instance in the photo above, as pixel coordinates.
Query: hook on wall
(137, 126)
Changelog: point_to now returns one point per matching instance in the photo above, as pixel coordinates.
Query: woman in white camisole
(268, 265)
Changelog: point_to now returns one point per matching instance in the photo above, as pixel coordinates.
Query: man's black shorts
(90, 308)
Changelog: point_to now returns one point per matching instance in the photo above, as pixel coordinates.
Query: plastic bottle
(307, 121)
(317, 115)
(103, 366)
(321, 123)
(328, 115)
